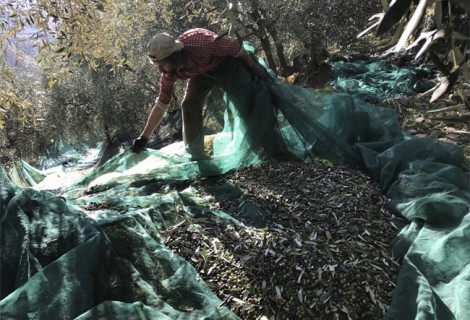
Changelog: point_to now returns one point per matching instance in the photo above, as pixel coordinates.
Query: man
(199, 56)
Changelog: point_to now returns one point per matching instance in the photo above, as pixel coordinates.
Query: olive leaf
(398, 31)
(445, 85)
(459, 36)
(378, 17)
(439, 64)
(384, 4)
(393, 15)
(412, 25)
(430, 38)
(457, 57)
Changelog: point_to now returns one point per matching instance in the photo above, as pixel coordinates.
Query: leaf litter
(320, 253)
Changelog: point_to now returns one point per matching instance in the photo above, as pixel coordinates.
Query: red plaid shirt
(203, 55)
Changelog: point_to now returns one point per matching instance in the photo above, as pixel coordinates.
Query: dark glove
(139, 144)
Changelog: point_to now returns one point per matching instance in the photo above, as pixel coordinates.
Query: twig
(461, 132)
(448, 119)
(412, 25)
(227, 299)
(446, 108)
(429, 91)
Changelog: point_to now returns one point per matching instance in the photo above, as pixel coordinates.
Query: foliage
(68, 34)
(12, 99)
(84, 48)
(442, 38)
(299, 35)
(101, 105)
(93, 55)
(21, 111)
(93, 61)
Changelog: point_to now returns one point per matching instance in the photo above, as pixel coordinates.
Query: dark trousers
(197, 90)
(249, 96)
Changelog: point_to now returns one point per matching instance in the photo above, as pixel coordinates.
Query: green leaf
(459, 36)
(456, 57)
(439, 64)
(398, 31)
(393, 15)
(384, 4)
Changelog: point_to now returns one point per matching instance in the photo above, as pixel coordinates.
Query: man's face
(163, 65)
(166, 67)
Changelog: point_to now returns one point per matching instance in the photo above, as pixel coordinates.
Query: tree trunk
(285, 70)
(262, 34)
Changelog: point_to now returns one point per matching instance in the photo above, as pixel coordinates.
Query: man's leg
(195, 96)
(253, 103)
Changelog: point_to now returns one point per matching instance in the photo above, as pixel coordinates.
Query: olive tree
(92, 56)
(300, 35)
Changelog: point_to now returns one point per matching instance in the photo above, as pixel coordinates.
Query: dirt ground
(446, 120)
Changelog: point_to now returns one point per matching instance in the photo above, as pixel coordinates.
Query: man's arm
(224, 46)
(161, 105)
(154, 119)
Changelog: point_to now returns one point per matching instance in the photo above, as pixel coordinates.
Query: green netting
(22, 174)
(64, 153)
(63, 157)
(376, 80)
(4, 175)
(79, 265)
(96, 251)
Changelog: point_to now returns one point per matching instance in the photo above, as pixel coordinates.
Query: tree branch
(412, 25)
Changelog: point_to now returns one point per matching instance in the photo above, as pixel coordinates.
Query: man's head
(161, 46)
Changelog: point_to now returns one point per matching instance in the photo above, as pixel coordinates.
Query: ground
(447, 119)
(315, 246)
(317, 237)
(318, 242)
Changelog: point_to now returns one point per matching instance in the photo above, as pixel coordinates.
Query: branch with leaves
(405, 18)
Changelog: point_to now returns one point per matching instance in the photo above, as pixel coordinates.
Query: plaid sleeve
(167, 85)
(225, 47)
(202, 43)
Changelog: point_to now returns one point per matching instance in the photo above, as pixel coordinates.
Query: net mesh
(95, 251)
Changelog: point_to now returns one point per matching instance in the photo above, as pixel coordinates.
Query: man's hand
(259, 71)
(139, 144)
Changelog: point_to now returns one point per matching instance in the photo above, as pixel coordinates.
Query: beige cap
(162, 45)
